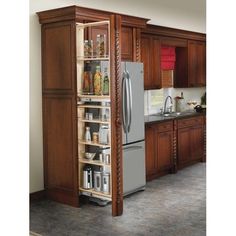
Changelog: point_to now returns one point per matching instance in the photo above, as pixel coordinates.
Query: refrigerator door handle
(124, 102)
(130, 102)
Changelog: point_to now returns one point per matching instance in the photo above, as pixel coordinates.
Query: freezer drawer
(133, 167)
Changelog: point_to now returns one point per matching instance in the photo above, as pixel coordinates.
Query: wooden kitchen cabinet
(190, 68)
(150, 56)
(127, 43)
(159, 149)
(196, 63)
(63, 33)
(190, 141)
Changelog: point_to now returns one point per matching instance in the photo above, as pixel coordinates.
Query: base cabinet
(173, 145)
(190, 139)
(159, 149)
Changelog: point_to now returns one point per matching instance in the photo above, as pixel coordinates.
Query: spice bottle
(87, 134)
(87, 80)
(105, 89)
(88, 48)
(97, 81)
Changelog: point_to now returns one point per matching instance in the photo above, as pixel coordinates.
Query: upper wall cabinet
(150, 56)
(190, 53)
(196, 63)
(190, 68)
(128, 38)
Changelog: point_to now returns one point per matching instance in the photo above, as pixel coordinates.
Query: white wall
(182, 14)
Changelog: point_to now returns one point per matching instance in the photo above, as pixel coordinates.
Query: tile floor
(173, 205)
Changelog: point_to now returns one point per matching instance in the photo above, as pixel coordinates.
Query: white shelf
(93, 144)
(93, 106)
(95, 121)
(93, 162)
(93, 192)
(80, 58)
(94, 96)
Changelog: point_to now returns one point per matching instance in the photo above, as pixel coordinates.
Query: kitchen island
(174, 142)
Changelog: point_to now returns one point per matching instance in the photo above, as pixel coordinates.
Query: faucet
(166, 103)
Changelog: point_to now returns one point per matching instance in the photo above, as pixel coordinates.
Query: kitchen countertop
(156, 118)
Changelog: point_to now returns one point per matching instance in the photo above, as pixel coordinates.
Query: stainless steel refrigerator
(134, 178)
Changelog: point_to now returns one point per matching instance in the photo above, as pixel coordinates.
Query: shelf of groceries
(94, 127)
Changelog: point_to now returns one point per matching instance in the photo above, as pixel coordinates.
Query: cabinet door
(150, 56)
(146, 42)
(127, 43)
(184, 151)
(197, 143)
(151, 164)
(192, 63)
(196, 64)
(156, 62)
(164, 142)
(201, 49)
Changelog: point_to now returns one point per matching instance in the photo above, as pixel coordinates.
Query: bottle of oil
(105, 89)
(97, 81)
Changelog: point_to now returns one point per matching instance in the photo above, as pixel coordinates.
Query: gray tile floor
(173, 205)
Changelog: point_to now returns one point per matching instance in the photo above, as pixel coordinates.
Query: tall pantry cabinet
(65, 105)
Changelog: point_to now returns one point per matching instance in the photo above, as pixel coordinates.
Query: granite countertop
(154, 118)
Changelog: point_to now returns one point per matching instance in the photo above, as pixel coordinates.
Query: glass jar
(101, 45)
(88, 48)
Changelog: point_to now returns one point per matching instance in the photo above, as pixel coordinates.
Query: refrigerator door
(133, 102)
(134, 167)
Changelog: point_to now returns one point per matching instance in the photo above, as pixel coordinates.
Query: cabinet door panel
(193, 66)
(150, 151)
(59, 141)
(184, 151)
(197, 144)
(202, 64)
(156, 63)
(57, 54)
(164, 150)
(127, 43)
(146, 42)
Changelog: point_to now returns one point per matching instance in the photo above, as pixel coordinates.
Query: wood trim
(172, 32)
(80, 14)
(133, 21)
(117, 165)
(137, 45)
(174, 169)
(37, 196)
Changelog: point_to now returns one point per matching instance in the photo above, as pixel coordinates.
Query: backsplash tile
(189, 94)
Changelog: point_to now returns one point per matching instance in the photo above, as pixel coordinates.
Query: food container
(95, 137)
(103, 134)
(98, 181)
(106, 182)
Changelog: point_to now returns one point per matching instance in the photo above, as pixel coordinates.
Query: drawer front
(163, 127)
(190, 122)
